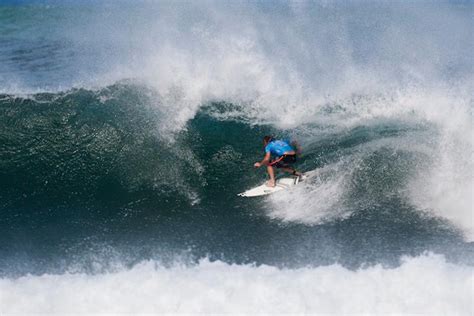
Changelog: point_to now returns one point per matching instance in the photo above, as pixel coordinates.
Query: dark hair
(267, 139)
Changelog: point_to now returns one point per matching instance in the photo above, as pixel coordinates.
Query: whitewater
(425, 285)
(128, 128)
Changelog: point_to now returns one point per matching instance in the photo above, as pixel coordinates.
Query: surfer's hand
(257, 165)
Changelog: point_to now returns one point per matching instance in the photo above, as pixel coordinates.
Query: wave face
(125, 138)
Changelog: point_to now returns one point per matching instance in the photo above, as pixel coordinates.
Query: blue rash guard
(278, 147)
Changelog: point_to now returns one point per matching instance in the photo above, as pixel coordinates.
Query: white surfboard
(281, 184)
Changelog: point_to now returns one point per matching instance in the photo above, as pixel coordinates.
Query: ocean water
(128, 128)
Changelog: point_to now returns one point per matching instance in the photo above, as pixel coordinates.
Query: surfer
(280, 154)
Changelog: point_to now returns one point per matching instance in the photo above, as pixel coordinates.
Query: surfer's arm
(264, 162)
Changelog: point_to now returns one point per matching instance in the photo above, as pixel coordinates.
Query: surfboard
(264, 189)
(281, 184)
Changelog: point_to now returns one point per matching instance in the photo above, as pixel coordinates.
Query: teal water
(83, 179)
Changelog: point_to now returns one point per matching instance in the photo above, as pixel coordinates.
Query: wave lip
(422, 285)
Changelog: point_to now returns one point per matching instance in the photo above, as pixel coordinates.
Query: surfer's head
(267, 139)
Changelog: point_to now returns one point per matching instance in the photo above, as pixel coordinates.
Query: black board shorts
(284, 161)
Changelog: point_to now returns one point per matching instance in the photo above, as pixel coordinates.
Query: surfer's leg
(292, 171)
(286, 165)
(271, 174)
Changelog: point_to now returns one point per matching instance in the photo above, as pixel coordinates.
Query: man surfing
(279, 154)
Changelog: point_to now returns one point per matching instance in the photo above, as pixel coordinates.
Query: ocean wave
(100, 163)
(424, 285)
(133, 128)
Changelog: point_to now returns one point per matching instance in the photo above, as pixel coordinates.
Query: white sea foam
(425, 285)
(281, 61)
(446, 185)
(318, 199)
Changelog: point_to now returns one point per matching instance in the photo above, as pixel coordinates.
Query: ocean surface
(127, 129)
